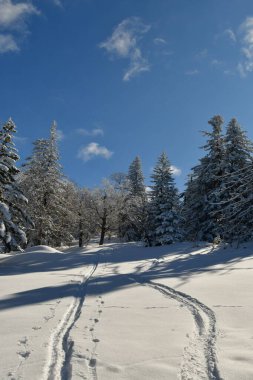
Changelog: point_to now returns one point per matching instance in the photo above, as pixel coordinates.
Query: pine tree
(203, 194)
(136, 223)
(164, 204)
(136, 179)
(13, 219)
(237, 188)
(44, 184)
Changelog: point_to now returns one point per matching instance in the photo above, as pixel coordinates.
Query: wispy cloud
(7, 43)
(93, 132)
(216, 62)
(13, 18)
(13, 15)
(159, 41)
(201, 54)
(124, 44)
(176, 171)
(246, 65)
(192, 72)
(58, 3)
(92, 150)
(230, 34)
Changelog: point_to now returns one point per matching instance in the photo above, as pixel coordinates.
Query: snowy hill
(127, 312)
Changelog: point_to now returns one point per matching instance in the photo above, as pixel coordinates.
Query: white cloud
(58, 3)
(246, 65)
(93, 132)
(216, 62)
(7, 43)
(192, 72)
(12, 15)
(159, 41)
(241, 70)
(229, 72)
(13, 18)
(123, 43)
(230, 34)
(92, 150)
(176, 171)
(201, 54)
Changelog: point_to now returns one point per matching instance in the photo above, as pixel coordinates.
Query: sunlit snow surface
(127, 312)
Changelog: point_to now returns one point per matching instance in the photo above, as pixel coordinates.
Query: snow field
(143, 313)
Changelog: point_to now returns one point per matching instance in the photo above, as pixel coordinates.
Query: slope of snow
(127, 312)
(42, 249)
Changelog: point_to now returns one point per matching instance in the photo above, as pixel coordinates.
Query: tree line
(39, 205)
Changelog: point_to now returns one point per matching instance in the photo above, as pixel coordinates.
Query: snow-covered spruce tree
(136, 224)
(165, 204)
(237, 188)
(206, 181)
(43, 183)
(136, 179)
(13, 219)
(192, 209)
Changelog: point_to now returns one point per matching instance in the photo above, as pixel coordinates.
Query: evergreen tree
(203, 193)
(136, 222)
(164, 204)
(192, 210)
(237, 188)
(136, 179)
(44, 185)
(13, 219)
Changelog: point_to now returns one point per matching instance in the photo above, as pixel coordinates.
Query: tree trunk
(80, 234)
(103, 231)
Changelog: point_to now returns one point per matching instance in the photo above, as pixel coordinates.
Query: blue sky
(124, 78)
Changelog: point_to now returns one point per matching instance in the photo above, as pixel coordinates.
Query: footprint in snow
(24, 354)
(92, 363)
(36, 328)
(22, 340)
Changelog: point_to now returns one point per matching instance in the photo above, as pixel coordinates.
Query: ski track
(58, 365)
(199, 360)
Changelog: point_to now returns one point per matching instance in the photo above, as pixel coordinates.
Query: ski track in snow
(199, 360)
(58, 365)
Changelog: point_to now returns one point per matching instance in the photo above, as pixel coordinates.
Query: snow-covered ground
(127, 312)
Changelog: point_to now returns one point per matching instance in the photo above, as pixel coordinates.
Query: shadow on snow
(180, 260)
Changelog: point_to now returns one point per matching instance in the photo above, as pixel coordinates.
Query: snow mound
(41, 249)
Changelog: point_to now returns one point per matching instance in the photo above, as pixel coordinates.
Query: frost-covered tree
(203, 194)
(237, 184)
(136, 179)
(44, 184)
(165, 210)
(87, 216)
(136, 223)
(103, 203)
(13, 218)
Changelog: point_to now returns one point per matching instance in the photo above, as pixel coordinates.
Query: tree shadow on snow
(180, 260)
